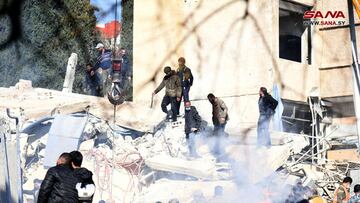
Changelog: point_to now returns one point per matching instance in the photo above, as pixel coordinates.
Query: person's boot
(173, 116)
(169, 115)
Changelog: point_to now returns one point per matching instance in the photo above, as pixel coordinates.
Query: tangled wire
(104, 168)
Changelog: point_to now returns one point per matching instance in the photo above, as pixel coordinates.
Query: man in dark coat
(267, 105)
(186, 79)
(59, 183)
(172, 85)
(192, 126)
(126, 70)
(85, 185)
(92, 81)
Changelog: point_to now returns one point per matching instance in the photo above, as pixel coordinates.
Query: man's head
(263, 91)
(64, 158)
(211, 98)
(357, 189)
(89, 67)
(99, 47)
(122, 51)
(187, 106)
(76, 159)
(347, 182)
(181, 62)
(167, 70)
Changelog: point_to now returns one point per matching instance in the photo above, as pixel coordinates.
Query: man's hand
(194, 129)
(178, 99)
(222, 120)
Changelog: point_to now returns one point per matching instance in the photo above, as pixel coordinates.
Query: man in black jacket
(192, 127)
(267, 105)
(92, 81)
(59, 183)
(85, 185)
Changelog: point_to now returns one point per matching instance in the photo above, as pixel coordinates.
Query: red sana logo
(319, 14)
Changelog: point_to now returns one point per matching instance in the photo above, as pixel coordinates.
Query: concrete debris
(148, 163)
(344, 155)
(196, 168)
(70, 73)
(140, 158)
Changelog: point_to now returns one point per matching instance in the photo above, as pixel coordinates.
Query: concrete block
(344, 155)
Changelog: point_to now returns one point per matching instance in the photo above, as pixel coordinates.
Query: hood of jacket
(83, 173)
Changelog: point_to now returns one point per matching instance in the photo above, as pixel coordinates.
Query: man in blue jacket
(103, 65)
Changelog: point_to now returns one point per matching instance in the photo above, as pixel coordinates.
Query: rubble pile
(140, 158)
(130, 166)
(120, 162)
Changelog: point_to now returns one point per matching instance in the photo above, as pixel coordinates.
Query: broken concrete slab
(183, 190)
(195, 168)
(344, 155)
(64, 136)
(36, 103)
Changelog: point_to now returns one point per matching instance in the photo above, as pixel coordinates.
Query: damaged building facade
(233, 47)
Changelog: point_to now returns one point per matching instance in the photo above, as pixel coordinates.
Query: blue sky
(106, 10)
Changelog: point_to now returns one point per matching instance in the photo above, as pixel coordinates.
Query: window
(294, 36)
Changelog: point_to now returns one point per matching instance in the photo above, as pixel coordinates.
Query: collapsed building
(137, 157)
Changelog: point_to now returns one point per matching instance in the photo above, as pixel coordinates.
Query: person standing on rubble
(219, 114)
(342, 193)
(85, 185)
(92, 81)
(186, 79)
(125, 69)
(103, 65)
(172, 84)
(59, 183)
(192, 127)
(267, 105)
(219, 118)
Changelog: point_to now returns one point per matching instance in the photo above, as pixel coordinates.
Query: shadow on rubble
(4, 196)
(36, 189)
(36, 131)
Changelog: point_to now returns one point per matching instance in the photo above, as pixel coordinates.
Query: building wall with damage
(335, 53)
(232, 47)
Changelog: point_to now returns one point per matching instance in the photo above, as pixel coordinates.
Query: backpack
(85, 191)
